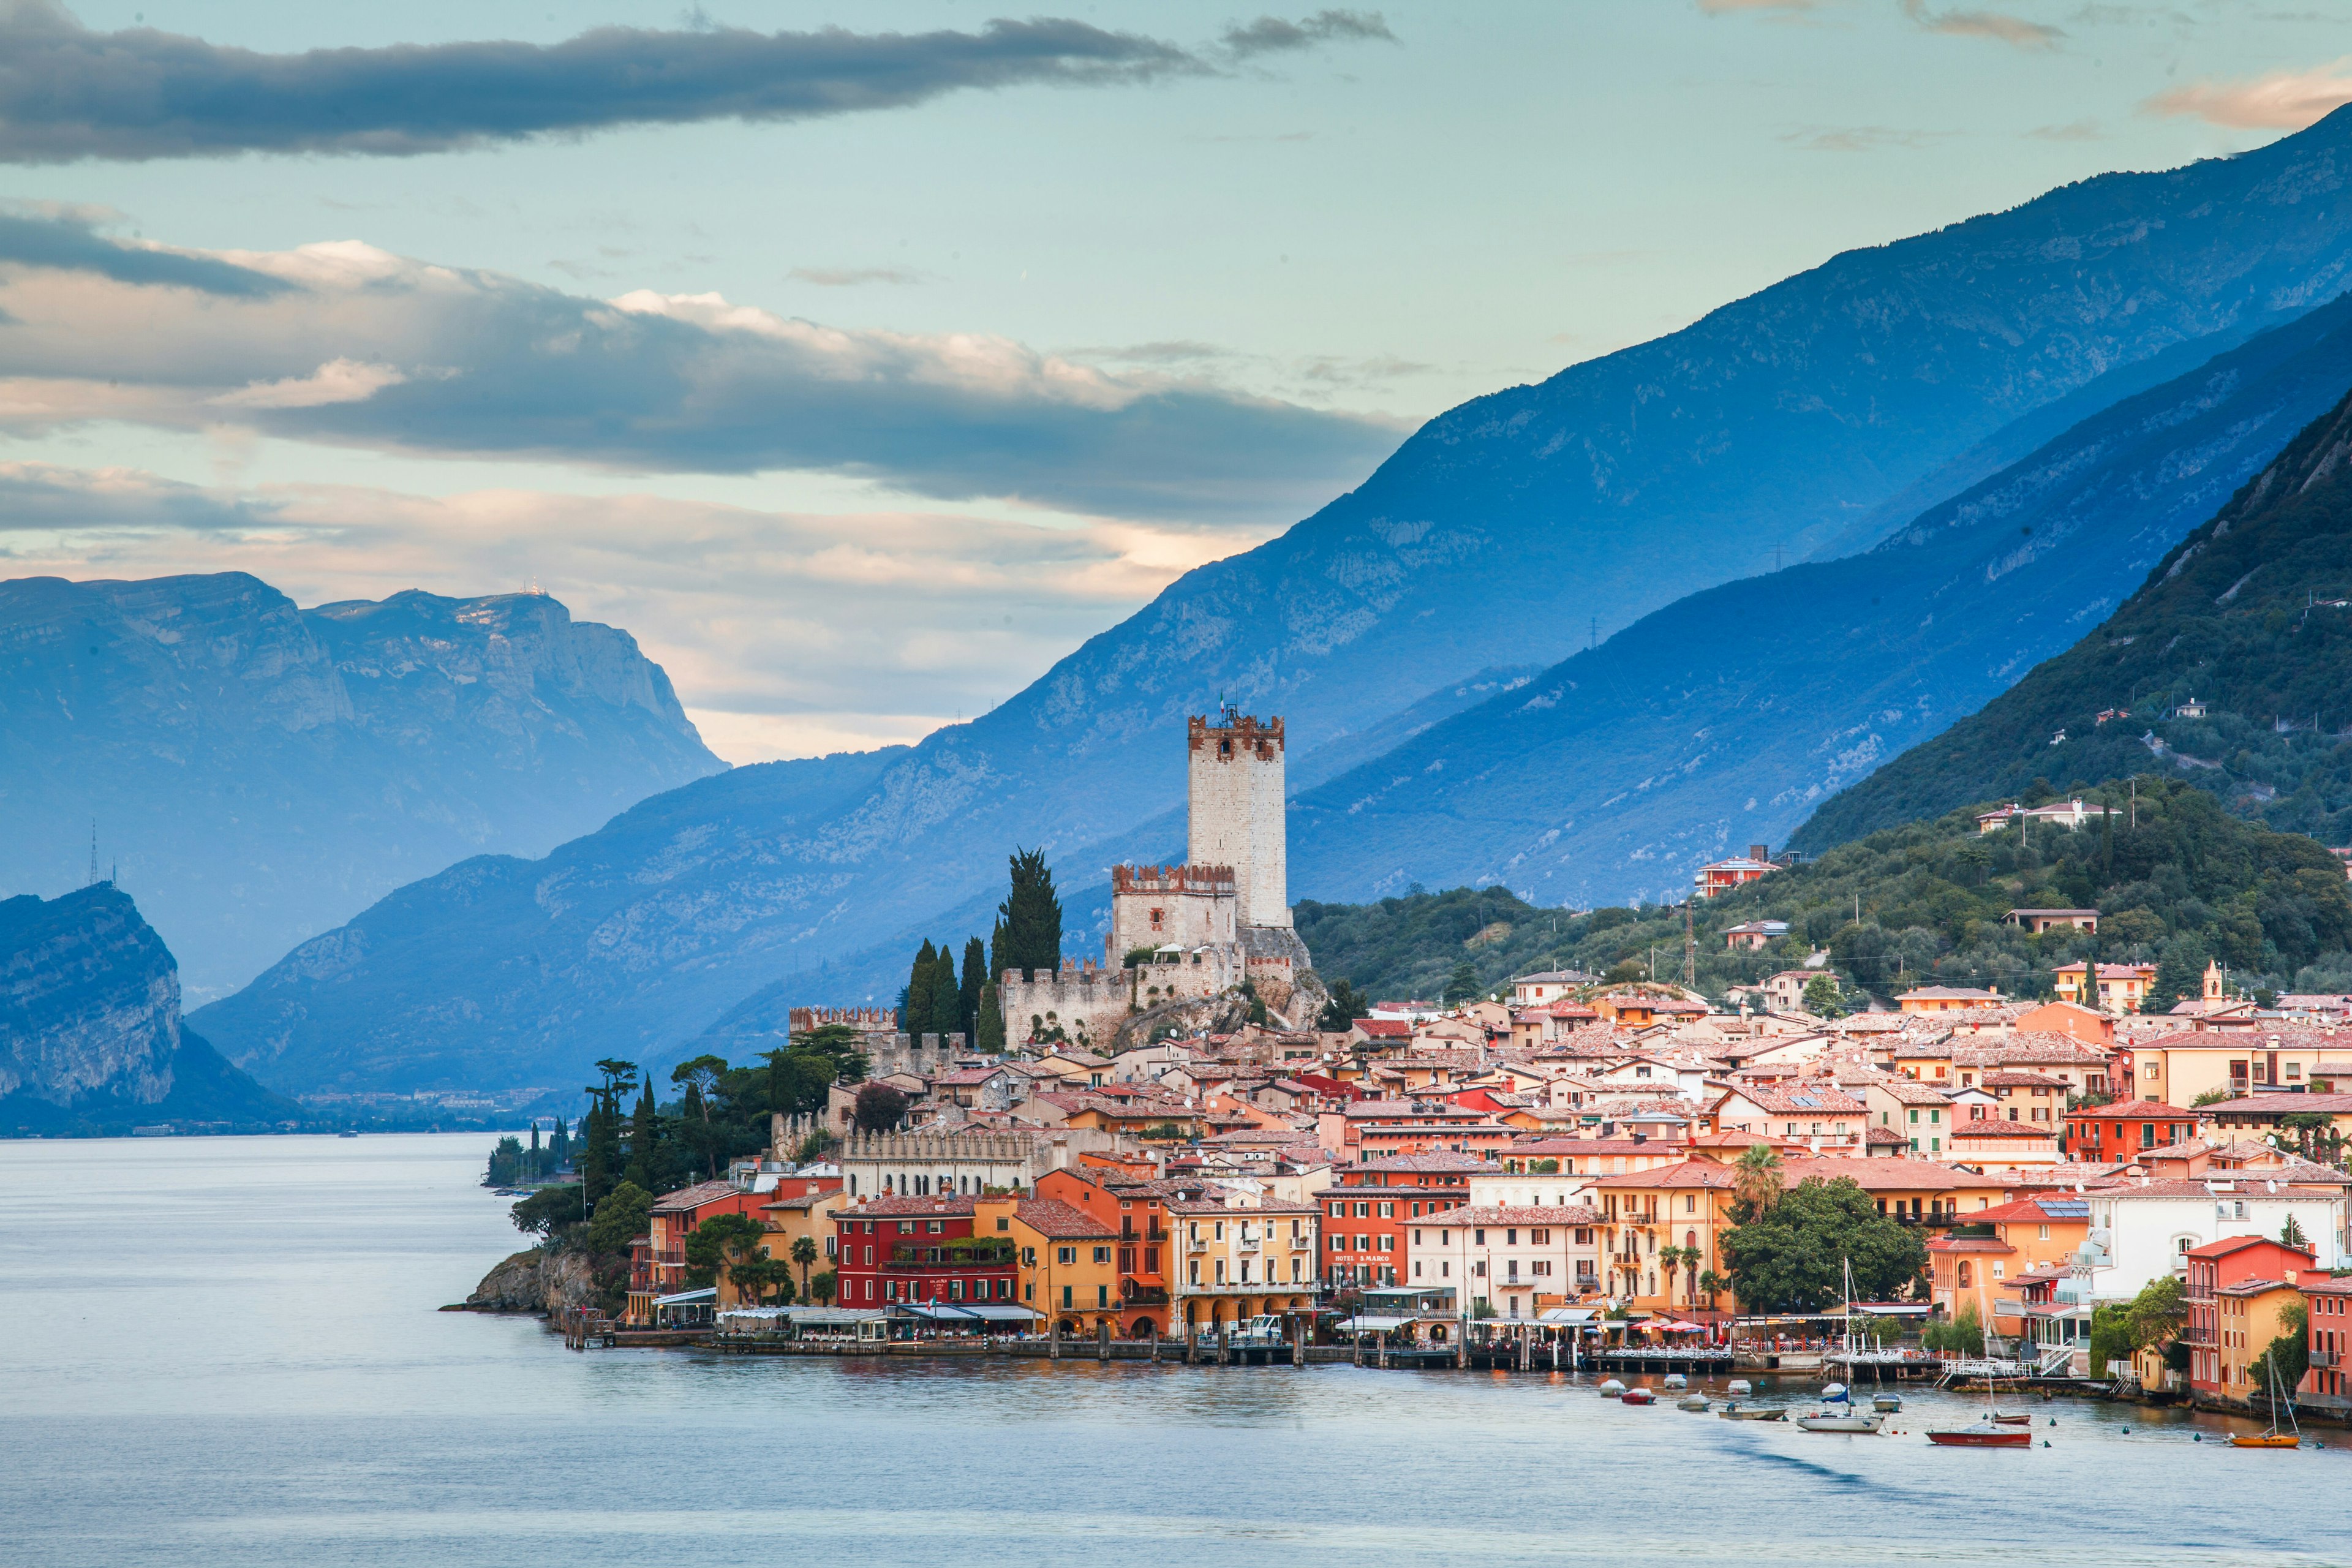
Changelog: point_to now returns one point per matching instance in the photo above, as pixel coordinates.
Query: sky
(861, 361)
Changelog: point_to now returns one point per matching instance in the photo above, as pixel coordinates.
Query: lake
(224, 1351)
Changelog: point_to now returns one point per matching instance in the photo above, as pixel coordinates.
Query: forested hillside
(2178, 879)
(2249, 618)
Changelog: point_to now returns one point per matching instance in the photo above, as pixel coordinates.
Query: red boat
(1983, 1435)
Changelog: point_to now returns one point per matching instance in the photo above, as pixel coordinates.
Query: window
(1102, 1295)
(1339, 1210)
(1388, 1243)
(905, 1227)
(1363, 1243)
(1416, 1237)
(1388, 1211)
(1363, 1211)
(1539, 1238)
(1028, 1257)
(1478, 1238)
(955, 1289)
(1102, 1255)
(1065, 1295)
(1339, 1243)
(1065, 1254)
(1511, 1236)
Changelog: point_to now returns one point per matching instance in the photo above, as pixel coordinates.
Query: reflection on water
(223, 1350)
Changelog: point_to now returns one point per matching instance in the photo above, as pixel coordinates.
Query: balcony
(1196, 1245)
(2320, 1358)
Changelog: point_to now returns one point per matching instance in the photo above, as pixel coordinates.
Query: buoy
(2197, 1436)
(2045, 1442)
(2127, 1431)
(2053, 1421)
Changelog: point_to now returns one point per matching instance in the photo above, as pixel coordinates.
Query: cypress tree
(989, 1033)
(600, 1163)
(914, 1012)
(1033, 915)
(975, 975)
(947, 995)
(999, 956)
(643, 1170)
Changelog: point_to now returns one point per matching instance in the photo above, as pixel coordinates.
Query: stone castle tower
(1234, 770)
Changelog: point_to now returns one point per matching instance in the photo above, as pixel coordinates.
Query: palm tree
(805, 1254)
(1670, 1258)
(1756, 1180)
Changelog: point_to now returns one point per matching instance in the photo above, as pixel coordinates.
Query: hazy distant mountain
(1722, 721)
(2250, 616)
(91, 1037)
(1504, 532)
(261, 773)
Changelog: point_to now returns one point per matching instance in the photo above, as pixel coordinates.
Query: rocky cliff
(90, 1037)
(258, 772)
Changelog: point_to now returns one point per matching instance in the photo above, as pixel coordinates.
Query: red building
(1365, 1214)
(1723, 876)
(657, 1258)
(2111, 1134)
(2327, 1307)
(919, 1249)
(1136, 1208)
(2218, 1267)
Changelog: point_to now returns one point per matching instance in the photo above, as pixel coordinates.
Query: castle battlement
(1171, 881)
(864, 1020)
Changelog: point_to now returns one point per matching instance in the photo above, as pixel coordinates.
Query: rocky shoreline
(533, 1281)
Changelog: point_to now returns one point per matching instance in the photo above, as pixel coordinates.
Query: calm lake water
(224, 1351)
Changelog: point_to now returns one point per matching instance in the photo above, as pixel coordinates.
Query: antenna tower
(93, 854)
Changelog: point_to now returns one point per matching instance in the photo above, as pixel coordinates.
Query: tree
(968, 989)
(1823, 998)
(644, 1142)
(1963, 1336)
(805, 1253)
(988, 1033)
(879, 1107)
(1032, 917)
(718, 1242)
(506, 1162)
(549, 1209)
(699, 1078)
(822, 1286)
(2289, 1355)
(1341, 1013)
(2292, 1234)
(2156, 1314)
(1462, 985)
(2179, 975)
(1756, 1181)
(946, 997)
(915, 1015)
(1791, 1256)
(619, 1219)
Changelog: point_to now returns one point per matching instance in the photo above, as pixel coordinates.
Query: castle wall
(1237, 813)
(1169, 906)
(1088, 1002)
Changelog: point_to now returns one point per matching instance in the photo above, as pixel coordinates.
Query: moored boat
(2273, 1439)
(1982, 1435)
(1612, 1389)
(1739, 1388)
(1736, 1411)
(1674, 1382)
(1887, 1404)
(1826, 1421)
(1637, 1397)
(1694, 1402)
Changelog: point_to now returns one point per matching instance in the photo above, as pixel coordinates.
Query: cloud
(787, 635)
(2014, 31)
(69, 238)
(851, 276)
(68, 93)
(1271, 34)
(2278, 100)
(361, 348)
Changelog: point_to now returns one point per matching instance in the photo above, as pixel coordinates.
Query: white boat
(1694, 1402)
(1841, 1421)
(1675, 1380)
(1885, 1404)
(1739, 1388)
(1612, 1389)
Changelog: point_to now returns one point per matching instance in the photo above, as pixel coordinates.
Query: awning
(689, 1297)
(835, 1317)
(1568, 1315)
(1372, 1325)
(1153, 1281)
(978, 1312)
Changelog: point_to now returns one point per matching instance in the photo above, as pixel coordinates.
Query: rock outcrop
(535, 1281)
(260, 773)
(90, 1035)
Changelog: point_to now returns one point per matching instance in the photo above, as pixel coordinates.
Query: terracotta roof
(1992, 1127)
(907, 1208)
(1511, 1214)
(1445, 1160)
(2229, 1244)
(1910, 1091)
(1052, 1217)
(1969, 1243)
(2022, 1080)
(685, 1200)
(805, 1201)
(2142, 1111)
(1689, 1174)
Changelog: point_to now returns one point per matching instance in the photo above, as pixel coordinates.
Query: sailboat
(1849, 1419)
(2273, 1439)
(1994, 1428)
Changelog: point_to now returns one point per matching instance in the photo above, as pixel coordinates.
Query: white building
(1507, 1256)
(2138, 1233)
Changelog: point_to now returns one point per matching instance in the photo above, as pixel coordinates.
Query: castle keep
(1207, 925)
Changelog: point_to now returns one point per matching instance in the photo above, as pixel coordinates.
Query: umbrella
(1679, 1328)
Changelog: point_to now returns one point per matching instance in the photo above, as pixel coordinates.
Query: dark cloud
(367, 349)
(74, 244)
(1273, 35)
(68, 93)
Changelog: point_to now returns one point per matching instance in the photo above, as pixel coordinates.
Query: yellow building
(1068, 1260)
(2176, 1068)
(2245, 1321)
(1237, 1256)
(791, 1218)
(2121, 988)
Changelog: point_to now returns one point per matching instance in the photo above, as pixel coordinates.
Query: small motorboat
(1674, 1382)
(1736, 1411)
(1841, 1421)
(2008, 1418)
(1694, 1402)
(1834, 1394)
(346, 1135)
(1612, 1389)
(1637, 1397)
(1887, 1404)
(1982, 1435)
(1739, 1388)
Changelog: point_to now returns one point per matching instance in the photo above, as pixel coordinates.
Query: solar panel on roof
(2067, 1208)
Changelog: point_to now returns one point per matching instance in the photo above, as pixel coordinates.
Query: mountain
(1504, 532)
(259, 772)
(90, 1037)
(1722, 719)
(2246, 624)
